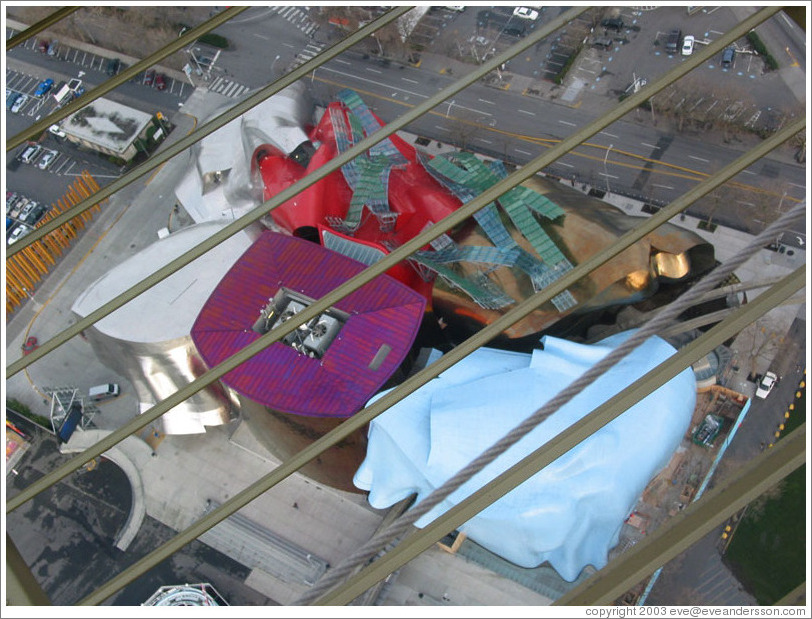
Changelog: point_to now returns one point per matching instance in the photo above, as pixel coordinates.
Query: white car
(766, 385)
(57, 131)
(688, 45)
(18, 232)
(19, 103)
(526, 13)
(46, 159)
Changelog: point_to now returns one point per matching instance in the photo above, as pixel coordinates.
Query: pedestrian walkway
(297, 16)
(228, 88)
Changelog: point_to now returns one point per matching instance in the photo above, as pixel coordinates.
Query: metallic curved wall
(157, 370)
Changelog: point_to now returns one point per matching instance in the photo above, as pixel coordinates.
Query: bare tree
(762, 341)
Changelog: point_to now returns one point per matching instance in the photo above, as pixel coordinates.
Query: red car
(31, 344)
(160, 81)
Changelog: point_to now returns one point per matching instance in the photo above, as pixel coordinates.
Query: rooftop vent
(312, 338)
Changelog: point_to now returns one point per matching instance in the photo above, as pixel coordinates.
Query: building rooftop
(330, 366)
(109, 124)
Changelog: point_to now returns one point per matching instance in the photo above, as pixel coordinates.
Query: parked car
(27, 210)
(47, 159)
(766, 384)
(20, 231)
(688, 45)
(160, 81)
(37, 213)
(17, 206)
(728, 56)
(56, 130)
(52, 47)
(113, 65)
(11, 98)
(44, 87)
(43, 45)
(75, 84)
(672, 41)
(31, 153)
(149, 77)
(613, 23)
(19, 102)
(526, 13)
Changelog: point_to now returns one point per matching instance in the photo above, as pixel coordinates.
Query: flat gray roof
(109, 124)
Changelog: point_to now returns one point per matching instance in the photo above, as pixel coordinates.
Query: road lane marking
(661, 186)
(699, 159)
(371, 70)
(647, 145)
(261, 36)
(486, 101)
(341, 61)
(566, 122)
(406, 79)
(567, 164)
(526, 112)
(611, 135)
(608, 175)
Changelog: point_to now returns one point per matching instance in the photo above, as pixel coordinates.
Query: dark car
(160, 81)
(113, 65)
(613, 23)
(673, 40)
(43, 45)
(149, 77)
(728, 56)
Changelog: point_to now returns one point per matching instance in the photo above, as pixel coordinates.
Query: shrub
(215, 40)
(22, 409)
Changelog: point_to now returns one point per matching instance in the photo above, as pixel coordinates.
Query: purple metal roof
(382, 312)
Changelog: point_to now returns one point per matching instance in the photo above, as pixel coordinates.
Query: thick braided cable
(663, 318)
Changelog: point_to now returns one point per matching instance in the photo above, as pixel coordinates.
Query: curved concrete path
(128, 455)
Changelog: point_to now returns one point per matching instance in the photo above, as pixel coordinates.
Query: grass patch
(767, 553)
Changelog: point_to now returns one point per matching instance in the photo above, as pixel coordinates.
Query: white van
(103, 392)
(31, 153)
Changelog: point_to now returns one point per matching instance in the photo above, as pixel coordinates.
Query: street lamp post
(605, 170)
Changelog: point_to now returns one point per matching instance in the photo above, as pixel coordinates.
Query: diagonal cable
(41, 25)
(428, 235)
(663, 318)
(484, 335)
(202, 131)
(142, 65)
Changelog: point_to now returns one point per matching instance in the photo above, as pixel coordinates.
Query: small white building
(108, 127)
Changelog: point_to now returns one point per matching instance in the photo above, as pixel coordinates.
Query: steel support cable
(280, 332)
(22, 589)
(102, 89)
(458, 515)
(213, 125)
(404, 251)
(692, 524)
(660, 320)
(41, 25)
(526, 308)
(364, 416)
(522, 309)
